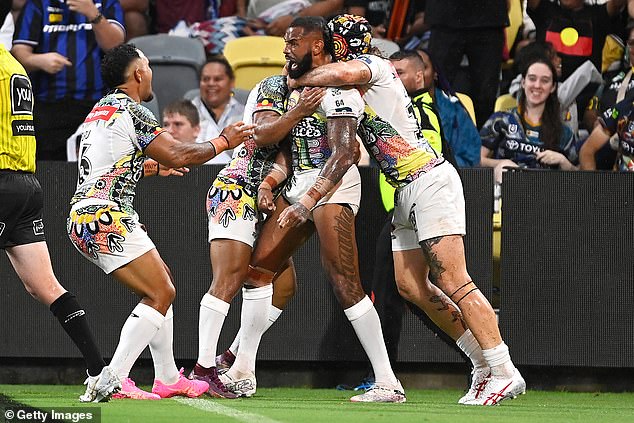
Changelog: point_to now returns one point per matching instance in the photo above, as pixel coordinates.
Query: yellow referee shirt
(17, 133)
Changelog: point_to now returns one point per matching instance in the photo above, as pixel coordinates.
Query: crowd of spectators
(586, 43)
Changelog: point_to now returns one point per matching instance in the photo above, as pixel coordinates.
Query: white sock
(367, 326)
(273, 316)
(499, 360)
(256, 306)
(161, 347)
(469, 345)
(136, 333)
(212, 316)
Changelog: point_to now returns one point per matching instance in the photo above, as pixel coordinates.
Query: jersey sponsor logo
(21, 95)
(67, 28)
(512, 145)
(38, 227)
(54, 17)
(101, 113)
(23, 128)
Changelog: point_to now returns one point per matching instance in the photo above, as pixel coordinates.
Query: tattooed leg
(448, 268)
(335, 226)
(411, 271)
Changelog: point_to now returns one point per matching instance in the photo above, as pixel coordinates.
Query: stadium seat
(153, 105)
(468, 104)
(254, 58)
(175, 61)
(504, 102)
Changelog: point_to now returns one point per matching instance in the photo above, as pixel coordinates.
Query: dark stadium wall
(313, 328)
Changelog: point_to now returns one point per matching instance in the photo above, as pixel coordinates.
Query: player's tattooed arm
(271, 127)
(338, 74)
(344, 146)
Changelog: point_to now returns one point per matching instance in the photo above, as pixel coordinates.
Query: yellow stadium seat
(504, 103)
(255, 58)
(468, 104)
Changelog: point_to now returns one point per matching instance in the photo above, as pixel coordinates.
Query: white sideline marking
(214, 407)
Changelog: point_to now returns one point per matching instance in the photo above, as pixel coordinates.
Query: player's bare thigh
(148, 276)
(276, 245)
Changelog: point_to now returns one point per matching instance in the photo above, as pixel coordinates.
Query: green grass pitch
(275, 405)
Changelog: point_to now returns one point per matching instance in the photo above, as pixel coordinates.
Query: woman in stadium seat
(531, 135)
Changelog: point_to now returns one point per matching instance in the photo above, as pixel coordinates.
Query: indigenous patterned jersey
(504, 134)
(620, 120)
(17, 133)
(310, 148)
(389, 129)
(113, 139)
(250, 163)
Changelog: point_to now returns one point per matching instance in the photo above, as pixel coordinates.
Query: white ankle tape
(274, 313)
(359, 309)
(215, 304)
(146, 312)
(497, 355)
(258, 293)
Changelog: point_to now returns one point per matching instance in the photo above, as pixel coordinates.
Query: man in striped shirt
(61, 45)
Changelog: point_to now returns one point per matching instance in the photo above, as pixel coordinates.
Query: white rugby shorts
(347, 191)
(431, 206)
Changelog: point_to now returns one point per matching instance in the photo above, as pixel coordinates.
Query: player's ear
(318, 47)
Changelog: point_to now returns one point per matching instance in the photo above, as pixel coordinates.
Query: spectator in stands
(181, 120)
(614, 90)
(474, 29)
(568, 90)
(61, 48)
(263, 17)
(274, 16)
(617, 121)
(531, 135)
(216, 105)
(379, 13)
(577, 31)
(135, 15)
(436, 105)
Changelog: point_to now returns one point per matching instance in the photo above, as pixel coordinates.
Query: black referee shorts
(21, 206)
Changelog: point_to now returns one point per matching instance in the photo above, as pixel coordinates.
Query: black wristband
(96, 19)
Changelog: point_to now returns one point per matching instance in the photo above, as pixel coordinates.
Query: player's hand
(279, 26)
(293, 216)
(170, 171)
(237, 133)
(309, 99)
(265, 200)
(53, 62)
(84, 7)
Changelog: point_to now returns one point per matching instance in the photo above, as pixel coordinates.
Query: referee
(22, 229)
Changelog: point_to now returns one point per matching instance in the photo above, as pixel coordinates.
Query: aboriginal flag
(573, 38)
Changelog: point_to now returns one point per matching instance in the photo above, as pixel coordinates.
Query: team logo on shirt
(21, 95)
